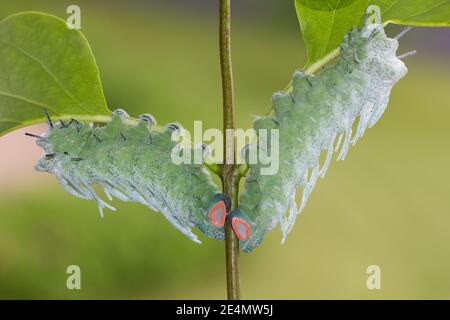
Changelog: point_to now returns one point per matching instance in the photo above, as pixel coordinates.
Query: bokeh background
(388, 204)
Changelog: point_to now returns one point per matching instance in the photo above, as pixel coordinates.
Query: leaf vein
(10, 121)
(390, 7)
(44, 67)
(426, 10)
(33, 102)
(332, 24)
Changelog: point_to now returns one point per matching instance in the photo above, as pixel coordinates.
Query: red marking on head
(241, 228)
(218, 213)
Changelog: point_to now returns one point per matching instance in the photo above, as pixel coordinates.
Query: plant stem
(229, 177)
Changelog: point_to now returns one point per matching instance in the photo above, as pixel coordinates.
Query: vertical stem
(229, 178)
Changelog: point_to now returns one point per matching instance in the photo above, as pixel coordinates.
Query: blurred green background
(388, 204)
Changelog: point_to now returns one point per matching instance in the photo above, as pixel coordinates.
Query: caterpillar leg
(218, 211)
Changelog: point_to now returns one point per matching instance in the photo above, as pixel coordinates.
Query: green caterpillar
(310, 118)
(132, 163)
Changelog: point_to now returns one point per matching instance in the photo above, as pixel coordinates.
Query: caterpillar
(132, 163)
(317, 115)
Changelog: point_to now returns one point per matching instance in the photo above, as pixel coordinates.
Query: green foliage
(324, 22)
(44, 65)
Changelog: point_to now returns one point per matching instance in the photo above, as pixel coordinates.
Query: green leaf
(44, 65)
(325, 22)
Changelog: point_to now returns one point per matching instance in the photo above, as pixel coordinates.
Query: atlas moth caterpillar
(133, 163)
(317, 115)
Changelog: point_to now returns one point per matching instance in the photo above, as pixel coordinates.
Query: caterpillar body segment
(133, 163)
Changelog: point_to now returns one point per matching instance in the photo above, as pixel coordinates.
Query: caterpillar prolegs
(317, 115)
(132, 163)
